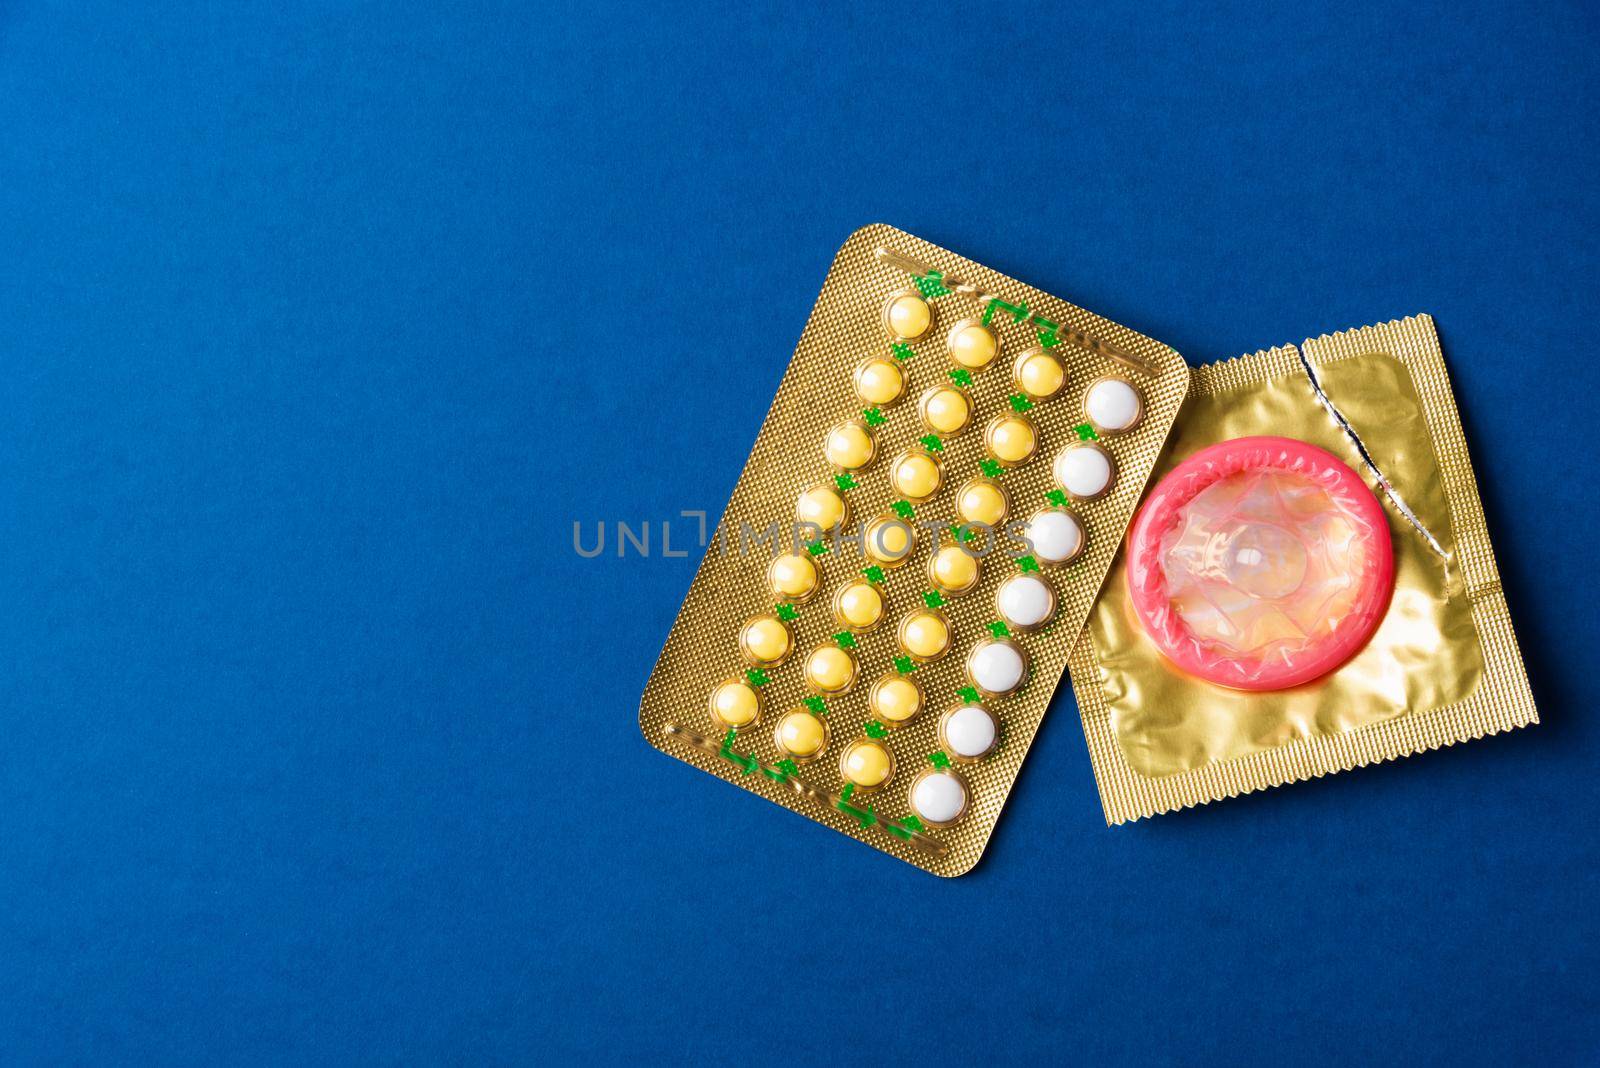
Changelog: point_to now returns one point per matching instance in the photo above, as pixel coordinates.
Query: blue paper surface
(323, 324)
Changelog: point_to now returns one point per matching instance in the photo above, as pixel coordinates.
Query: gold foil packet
(924, 521)
(1442, 665)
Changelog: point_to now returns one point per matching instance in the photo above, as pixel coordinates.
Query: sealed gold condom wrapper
(1309, 586)
(918, 535)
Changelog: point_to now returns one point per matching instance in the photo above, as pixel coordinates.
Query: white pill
(969, 731)
(1055, 536)
(997, 667)
(1083, 470)
(1025, 600)
(939, 797)
(1112, 404)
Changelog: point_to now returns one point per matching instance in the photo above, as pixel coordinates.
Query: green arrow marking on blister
(749, 763)
(903, 509)
(786, 611)
(905, 665)
(1047, 336)
(843, 805)
(844, 482)
(817, 548)
(938, 759)
(817, 706)
(990, 468)
(873, 572)
(1086, 432)
(757, 677)
(1026, 564)
(874, 416)
(875, 729)
(845, 639)
(1018, 311)
(931, 442)
(962, 534)
(901, 350)
(788, 767)
(999, 629)
(933, 599)
(912, 823)
(961, 377)
(1019, 403)
(968, 693)
(1057, 498)
(932, 285)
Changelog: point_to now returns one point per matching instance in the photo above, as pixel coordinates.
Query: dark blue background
(321, 327)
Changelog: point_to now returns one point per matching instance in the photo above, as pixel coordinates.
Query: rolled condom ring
(1260, 563)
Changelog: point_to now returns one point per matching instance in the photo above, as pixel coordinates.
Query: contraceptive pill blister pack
(922, 526)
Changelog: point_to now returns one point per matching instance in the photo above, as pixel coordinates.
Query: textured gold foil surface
(815, 394)
(1443, 665)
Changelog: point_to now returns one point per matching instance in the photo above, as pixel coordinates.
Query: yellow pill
(793, 576)
(1011, 439)
(889, 541)
(866, 763)
(945, 411)
(982, 501)
(907, 316)
(973, 345)
(1039, 374)
(764, 640)
(829, 669)
(895, 699)
(879, 381)
(924, 635)
(849, 446)
(734, 704)
(821, 506)
(858, 605)
(915, 476)
(800, 734)
(953, 569)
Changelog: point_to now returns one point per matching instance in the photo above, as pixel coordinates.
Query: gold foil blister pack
(924, 521)
(1442, 665)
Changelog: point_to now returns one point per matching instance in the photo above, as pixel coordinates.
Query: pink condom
(1260, 563)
